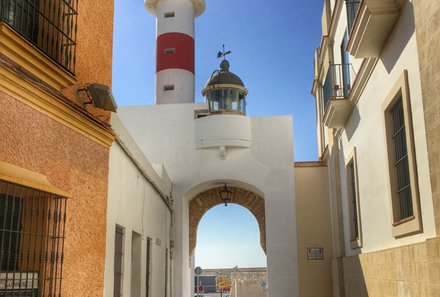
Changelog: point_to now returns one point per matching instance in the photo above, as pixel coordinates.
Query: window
(352, 8)
(169, 14)
(168, 87)
(226, 99)
(401, 162)
(402, 169)
(345, 59)
(166, 272)
(148, 268)
(200, 113)
(49, 25)
(32, 224)
(169, 51)
(22, 15)
(119, 261)
(353, 200)
(136, 250)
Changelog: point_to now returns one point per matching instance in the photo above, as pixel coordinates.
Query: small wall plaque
(315, 253)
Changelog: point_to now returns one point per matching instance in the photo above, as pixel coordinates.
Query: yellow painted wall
(94, 49)
(313, 229)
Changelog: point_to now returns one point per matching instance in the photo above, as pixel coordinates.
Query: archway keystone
(206, 200)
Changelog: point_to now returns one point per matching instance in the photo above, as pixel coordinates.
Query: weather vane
(223, 54)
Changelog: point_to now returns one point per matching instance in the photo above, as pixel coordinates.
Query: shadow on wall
(354, 277)
(399, 39)
(354, 120)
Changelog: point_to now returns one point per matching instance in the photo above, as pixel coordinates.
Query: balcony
(371, 22)
(50, 26)
(336, 90)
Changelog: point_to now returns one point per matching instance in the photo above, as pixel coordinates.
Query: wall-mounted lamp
(100, 96)
(225, 194)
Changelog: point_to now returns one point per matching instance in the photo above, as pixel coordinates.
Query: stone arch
(206, 200)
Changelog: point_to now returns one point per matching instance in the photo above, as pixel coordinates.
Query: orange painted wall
(75, 164)
(70, 160)
(95, 41)
(94, 49)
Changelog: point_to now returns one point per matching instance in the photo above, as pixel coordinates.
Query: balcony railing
(50, 25)
(337, 84)
(352, 9)
(336, 91)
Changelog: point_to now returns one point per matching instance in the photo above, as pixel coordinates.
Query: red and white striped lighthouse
(175, 48)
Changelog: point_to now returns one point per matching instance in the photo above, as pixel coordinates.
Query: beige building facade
(377, 122)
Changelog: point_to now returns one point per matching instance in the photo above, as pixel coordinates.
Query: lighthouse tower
(175, 48)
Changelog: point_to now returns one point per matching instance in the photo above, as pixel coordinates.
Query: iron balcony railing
(50, 25)
(352, 9)
(337, 84)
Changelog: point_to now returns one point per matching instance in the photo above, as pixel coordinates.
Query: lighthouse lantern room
(225, 92)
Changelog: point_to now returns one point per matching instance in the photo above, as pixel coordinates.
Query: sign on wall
(315, 253)
(223, 284)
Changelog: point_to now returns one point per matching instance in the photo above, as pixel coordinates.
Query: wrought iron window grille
(50, 25)
(401, 162)
(32, 225)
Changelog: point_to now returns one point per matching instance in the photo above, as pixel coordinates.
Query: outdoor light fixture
(100, 96)
(225, 195)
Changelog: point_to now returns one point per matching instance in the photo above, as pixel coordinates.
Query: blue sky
(229, 236)
(272, 44)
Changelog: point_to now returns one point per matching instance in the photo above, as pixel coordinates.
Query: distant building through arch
(206, 200)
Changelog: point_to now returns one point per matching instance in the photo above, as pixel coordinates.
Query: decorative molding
(28, 93)
(223, 86)
(306, 164)
(22, 52)
(28, 178)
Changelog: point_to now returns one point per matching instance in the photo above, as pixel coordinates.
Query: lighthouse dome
(224, 76)
(225, 92)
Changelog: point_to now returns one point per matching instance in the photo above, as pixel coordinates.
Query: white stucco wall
(167, 135)
(365, 131)
(135, 205)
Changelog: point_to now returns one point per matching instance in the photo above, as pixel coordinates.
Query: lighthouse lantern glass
(226, 100)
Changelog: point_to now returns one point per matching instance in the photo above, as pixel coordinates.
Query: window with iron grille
(50, 25)
(352, 185)
(401, 162)
(32, 225)
(148, 268)
(119, 260)
(166, 272)
(353, 200)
